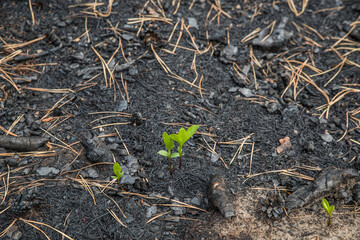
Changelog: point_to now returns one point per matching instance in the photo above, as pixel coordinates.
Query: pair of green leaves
(117, 171)
(183, 136)
(169, 144)
(329, 209)
(180, 138)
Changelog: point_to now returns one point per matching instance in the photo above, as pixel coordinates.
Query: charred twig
(37, 55)
(22, 144)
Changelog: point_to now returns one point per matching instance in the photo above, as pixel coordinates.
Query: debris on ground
(220, 196)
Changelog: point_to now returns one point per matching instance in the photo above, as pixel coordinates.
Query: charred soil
(273, 85)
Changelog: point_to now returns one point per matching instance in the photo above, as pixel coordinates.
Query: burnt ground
(103, 86)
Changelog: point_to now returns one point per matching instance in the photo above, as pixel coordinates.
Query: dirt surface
(275, 91)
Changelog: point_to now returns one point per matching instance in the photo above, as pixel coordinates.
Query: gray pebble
(61, 24)
(79, 56)
(246, 92)
(327, 137)
(74, 66)
(161, 175)
(195, 201)
(214, 157)
(11, 161)
(43, 171)
(127, 179)
(193, 23)
(155, 229)
(123, 105)
(133, 71)
(151, 211)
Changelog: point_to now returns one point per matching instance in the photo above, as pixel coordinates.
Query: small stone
(245, 70)
(112, 63)
(272, 107)
(214, 157)
(16, 235)
(233, 89)
(74, 66)
(151, 211)
(161, 175)
(11, 231)
(61, 24)
(323, 121)
(26, 171)
(195, 201)
(127, 179)
(132, 164)
(127, 36)
(327, 137)
(246, 92)
(229, 51)
(193, 23)
(133, 71)
(43, 171)
(92, 173)
(79, 56)
(129, 218)
(170, 191)
(178, 210)
(310, 146)
(154, 229)
(123, 105)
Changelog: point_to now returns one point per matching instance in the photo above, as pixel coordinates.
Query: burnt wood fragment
(22, 144)
(220, 196)
(328, 182)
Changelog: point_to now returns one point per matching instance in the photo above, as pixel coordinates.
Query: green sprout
(182, 137)
(329, 209)
(169, 144)
(117, 172)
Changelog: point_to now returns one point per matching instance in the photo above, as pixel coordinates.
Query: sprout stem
(180, 153)
(121, 186)
(170, 166)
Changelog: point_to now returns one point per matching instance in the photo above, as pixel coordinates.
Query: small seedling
(329, 209)
(169, 144)
(117, 172)
(182, 137)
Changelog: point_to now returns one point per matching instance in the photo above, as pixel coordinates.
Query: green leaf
(327, 207)
(117, 169)
(169, 143)
(174, 155)
(182, 131)
(163, 153)
(114, 177)
(325, 203)
(191, 130)
(176, 138)
(331, 209)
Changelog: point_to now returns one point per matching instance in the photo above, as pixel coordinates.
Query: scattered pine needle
(157, 216)
(116, 218)
(293, 7)
(44, 224)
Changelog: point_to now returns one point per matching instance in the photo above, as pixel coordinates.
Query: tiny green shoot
(329, 209)
(182, 137)
(117, 172)
(169, 144)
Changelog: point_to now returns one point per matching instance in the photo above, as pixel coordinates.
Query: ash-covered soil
(274, 88)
